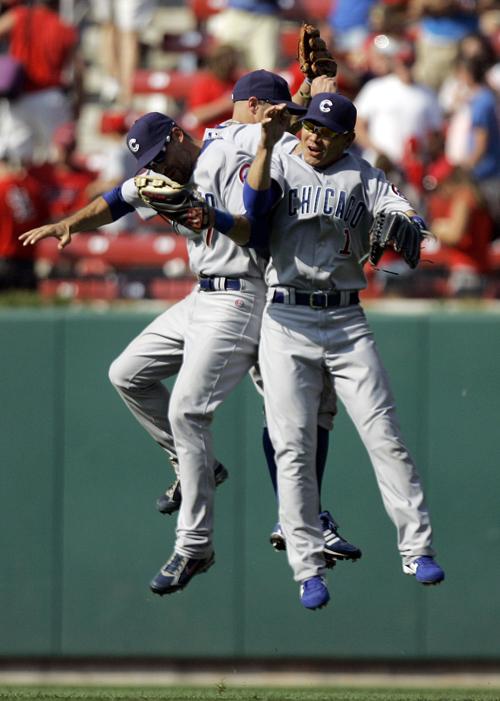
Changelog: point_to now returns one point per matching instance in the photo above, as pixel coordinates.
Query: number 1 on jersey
(346, 249)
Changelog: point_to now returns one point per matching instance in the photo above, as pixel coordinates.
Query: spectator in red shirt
(47, 48)
(210, 100)
(22, 205)
(460, 220)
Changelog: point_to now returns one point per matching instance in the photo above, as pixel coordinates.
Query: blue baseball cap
(333, 111)
(148, 135)
(267, 86)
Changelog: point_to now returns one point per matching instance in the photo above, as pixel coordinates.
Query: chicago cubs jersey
(219, 175)
(247, 137)
(321, 224)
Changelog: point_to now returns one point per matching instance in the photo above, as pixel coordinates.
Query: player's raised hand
(59, 230)
(274, 124)
(323, 83)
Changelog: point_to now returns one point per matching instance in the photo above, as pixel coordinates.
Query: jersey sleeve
(225, 169)
(130, 195)
(278, 170)
(383, 195)
(246, 137)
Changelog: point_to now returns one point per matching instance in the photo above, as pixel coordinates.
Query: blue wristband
(117, 205)
(223, 222)
(419, 222)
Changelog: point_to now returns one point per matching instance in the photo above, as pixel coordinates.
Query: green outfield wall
(80, 537)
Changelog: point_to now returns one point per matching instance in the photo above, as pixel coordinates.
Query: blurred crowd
(424, 75)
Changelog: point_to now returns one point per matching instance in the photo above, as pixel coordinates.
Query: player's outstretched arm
(91, 217)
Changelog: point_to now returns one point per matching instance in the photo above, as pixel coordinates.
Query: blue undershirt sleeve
(258, 202)
(259, 233)
(258, 205)
(117, 204)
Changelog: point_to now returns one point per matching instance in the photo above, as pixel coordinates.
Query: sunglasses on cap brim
(324, 132)
(160, 157)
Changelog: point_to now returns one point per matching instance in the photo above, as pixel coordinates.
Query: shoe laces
(328, 522)
(316, 582)
(176, 564)
(424, 560)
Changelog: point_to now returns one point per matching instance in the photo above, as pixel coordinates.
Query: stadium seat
(71, 289)
(92, 267)
(189, 42)
(176, 84)
(121, 251)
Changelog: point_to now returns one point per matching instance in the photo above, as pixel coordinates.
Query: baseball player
(327, 202)
(250, 96)
(224, 311)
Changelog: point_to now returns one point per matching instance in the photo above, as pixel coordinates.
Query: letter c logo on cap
(133, 145)
(326, 105)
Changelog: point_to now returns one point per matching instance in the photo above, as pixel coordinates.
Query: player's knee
(118, 375)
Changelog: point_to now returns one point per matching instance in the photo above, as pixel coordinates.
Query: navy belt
(317, 299)
(209, 284)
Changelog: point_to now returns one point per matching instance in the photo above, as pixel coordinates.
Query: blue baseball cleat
(314, 593)
(170, 502)
(425, 570)
(177, 572)
(336, 547)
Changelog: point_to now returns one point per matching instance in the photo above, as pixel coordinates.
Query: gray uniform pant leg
(363, 387)
(221, 346)
(293, 383)
(151, 357)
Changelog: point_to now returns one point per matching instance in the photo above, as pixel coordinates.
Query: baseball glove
(397, 231)
(171, 199)
(313, 56)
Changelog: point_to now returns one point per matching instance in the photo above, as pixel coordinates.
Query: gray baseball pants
(210, 340)
(297, 344)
